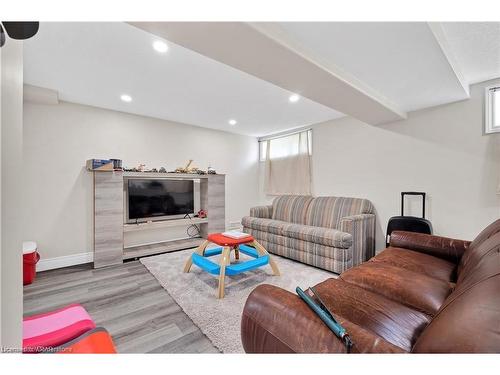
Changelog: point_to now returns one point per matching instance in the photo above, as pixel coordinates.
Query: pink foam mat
(56, 327)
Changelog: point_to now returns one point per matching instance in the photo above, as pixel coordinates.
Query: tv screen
(150, 198)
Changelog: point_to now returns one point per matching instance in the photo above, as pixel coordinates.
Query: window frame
(263, 142)
(489, 116)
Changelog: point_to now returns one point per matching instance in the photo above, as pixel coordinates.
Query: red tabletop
(222, 240)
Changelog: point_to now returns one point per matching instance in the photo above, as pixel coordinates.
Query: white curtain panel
(288, 165)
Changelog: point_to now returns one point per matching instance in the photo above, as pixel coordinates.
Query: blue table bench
(249, 247)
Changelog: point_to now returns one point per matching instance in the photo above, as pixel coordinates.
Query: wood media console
(109, 223)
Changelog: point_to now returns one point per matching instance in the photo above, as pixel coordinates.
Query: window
(286, 145)
(287, 163)
(492, 110)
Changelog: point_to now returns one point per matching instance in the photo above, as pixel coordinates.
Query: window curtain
(288, 165)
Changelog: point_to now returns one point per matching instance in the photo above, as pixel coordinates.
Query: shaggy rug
(219, 319)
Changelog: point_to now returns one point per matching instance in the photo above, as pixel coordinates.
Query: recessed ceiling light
(126, 98)
(160, 46)
(294, 98)
(232, 122)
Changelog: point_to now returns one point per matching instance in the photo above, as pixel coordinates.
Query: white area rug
(219, 319)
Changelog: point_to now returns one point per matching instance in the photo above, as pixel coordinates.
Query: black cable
(190, 229)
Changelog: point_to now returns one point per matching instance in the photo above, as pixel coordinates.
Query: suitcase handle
(422, 194)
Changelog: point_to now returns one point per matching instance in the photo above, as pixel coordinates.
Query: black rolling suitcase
(409, 223)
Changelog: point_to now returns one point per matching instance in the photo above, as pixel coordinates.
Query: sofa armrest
(362, 229)
(264, 212)
(441, 247)
(277, 321)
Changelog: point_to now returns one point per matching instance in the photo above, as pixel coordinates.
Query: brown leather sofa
(423, 294)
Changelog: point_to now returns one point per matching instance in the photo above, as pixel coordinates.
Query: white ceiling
(401, 61)
(476, 45)
(94, 63)
(408, 66)
(249, 48)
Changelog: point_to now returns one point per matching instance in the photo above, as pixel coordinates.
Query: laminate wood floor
(126, 300)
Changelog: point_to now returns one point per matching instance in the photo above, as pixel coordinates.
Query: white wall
(11, 292)
(58, 139)
(441, 151)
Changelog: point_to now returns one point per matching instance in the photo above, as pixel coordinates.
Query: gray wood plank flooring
(126, 300)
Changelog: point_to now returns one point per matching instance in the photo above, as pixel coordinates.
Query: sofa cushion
(478, 247)
(291, 208)
(328, 211)
(328, 258)
(264, 225)
(417, 262)
(394, 322)
(322, 236)
(269, 312)
(468, 321)
(413, 289)
(483, 263)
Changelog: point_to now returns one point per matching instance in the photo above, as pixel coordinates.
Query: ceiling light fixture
(126, 98)
(232, 122)
(160, 46)
(294, 98)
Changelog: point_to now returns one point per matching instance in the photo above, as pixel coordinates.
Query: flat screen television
(159, 199)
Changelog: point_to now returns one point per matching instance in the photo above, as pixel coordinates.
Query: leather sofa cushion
(417, 262)
(394, 322)
(474, 266)
(483, 264)
(318, 235)
(327, 212)
(413, 289)
(468, 258)
(270, 312)
(468, 322)
(449, 249)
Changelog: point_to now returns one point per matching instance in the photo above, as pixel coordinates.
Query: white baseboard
(64, 261)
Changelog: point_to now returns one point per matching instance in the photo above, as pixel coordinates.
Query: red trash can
(30, 259)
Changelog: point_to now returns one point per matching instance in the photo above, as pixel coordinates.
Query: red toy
(202, 214)
(96, 341)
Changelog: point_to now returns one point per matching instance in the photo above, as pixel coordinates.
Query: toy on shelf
(188, 168)
(211, 170)
(202, 214)
(117, 164)
(101, 165)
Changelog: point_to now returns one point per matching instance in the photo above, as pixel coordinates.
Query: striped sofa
(333, 233)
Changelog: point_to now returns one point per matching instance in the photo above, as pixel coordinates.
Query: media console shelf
(163, 224)
(109, 227)
(161, 247)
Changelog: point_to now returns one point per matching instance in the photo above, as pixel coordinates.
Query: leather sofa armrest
(277, 321)
(264, 212)
(441, 247)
